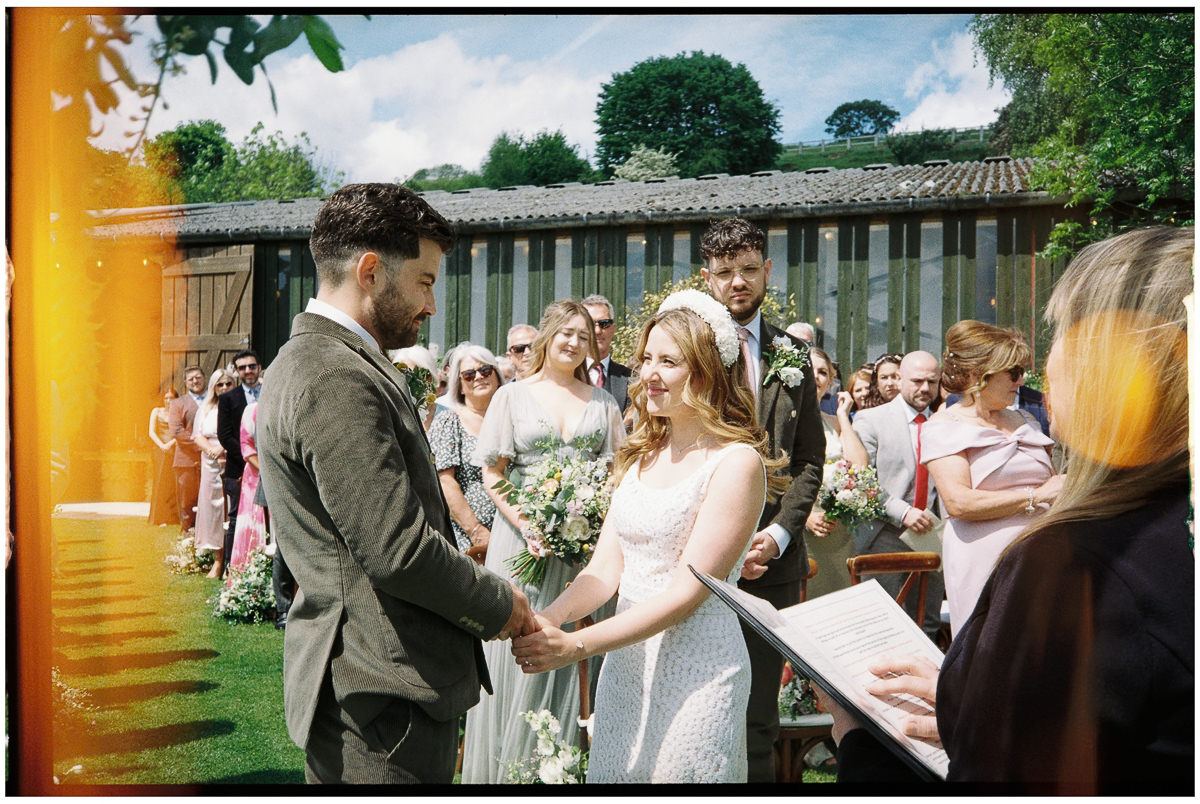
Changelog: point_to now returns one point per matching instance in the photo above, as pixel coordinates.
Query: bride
(671, 699)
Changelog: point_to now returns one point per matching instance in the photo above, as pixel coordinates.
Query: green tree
(1121, 91)
(858, 118)
(446, 176)
(544, 159)
(646, 163)
(711, 113)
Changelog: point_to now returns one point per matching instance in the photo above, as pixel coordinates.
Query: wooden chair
(917, 565)
(799, 736)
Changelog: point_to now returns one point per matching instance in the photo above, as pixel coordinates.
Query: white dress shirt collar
(318, 307)
(910, 412)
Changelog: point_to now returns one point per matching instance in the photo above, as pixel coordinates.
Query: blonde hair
(210, 396)
(555, 317)
(1121, 328)
(723, 402)
(975, 351)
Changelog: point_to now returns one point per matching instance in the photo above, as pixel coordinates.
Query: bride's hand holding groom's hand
(521, 621)
(548, 648)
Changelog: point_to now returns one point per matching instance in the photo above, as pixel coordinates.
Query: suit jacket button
(793, 414)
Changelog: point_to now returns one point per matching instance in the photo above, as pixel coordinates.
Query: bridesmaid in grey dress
(553, 410)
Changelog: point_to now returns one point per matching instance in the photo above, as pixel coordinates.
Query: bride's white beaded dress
(670, 709)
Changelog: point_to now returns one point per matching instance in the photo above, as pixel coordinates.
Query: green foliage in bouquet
(249, 599)
(852, 494)
(796, 696)
(554, 762)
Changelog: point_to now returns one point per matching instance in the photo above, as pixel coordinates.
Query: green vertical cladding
(846, 297)
(862, 240)
(536, 266)
(1023, 282)
(966, 277)
(697, 231)
(666, 257)
(591, 263)
(951, 265)
(650, 260)
(460, 316)
(611, 266)
(492, 314)
(505, 290)
(912, 279)
(792, 262)
(549, 254)
(1043, 280)
(1005, 265)
(263, 298)
(579, 242)
(895, 285)
(808, 261)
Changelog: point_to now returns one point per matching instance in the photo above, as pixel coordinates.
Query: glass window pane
(562, 271)
(437, 323)
(931, 287)
(777, 249)
(682, 256)
(635, 270)
(479, 300)
(520, 284)
(985, 271)
(877, 291)
(827, 290)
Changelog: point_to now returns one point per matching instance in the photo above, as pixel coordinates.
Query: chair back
(917, 565)
(812, 571)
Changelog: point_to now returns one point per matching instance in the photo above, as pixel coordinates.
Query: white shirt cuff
(780, 535)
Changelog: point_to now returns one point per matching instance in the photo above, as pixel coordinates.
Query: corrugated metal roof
(760, 194)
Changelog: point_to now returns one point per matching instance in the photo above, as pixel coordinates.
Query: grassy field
(155, 689)
(836, 156)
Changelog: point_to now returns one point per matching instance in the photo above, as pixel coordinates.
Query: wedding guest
(520, 341)
(164, 497)
(802, 330)
(187, 462)
(211, 505)
(829, 542)
(991, 465)
(230, 406)
(885, 380)
(603, 371)
(860, 390)
(508, 371)
(672, 695)
(251, 530)
(474, 380)
(1074, 674)
(553, 410)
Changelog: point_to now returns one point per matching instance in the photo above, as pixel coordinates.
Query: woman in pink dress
(990, 463)
(249, 534)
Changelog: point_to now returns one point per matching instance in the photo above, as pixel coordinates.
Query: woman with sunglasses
(990, 463)
(471, 382)
(210, 505)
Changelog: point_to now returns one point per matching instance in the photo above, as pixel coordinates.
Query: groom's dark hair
(385, 218)
(732, 236)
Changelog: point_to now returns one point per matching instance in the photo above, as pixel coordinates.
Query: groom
(382, 650)
(737, 276)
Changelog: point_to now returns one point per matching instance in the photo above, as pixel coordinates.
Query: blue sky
(421, 90)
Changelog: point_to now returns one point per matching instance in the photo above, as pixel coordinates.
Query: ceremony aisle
(150, 687)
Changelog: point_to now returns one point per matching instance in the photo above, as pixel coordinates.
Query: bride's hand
(547, 649)
(817, 524)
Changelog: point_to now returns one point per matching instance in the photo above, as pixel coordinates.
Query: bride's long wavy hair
(720, 397)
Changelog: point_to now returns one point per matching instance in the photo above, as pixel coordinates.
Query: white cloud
(951, 90)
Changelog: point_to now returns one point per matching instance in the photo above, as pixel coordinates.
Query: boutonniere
(785, 362)
(420, 385)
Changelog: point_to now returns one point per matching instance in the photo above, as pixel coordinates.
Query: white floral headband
(714, 314)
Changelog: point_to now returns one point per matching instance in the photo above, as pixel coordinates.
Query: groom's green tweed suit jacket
(387, 606)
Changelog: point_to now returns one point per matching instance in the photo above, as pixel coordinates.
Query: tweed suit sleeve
(806, 455)
(383, 522)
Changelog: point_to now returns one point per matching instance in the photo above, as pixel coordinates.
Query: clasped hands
(763, 548)
(547, 648)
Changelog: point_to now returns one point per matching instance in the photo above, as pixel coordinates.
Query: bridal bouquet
(555, 762)
(851, 494)
(565, 500)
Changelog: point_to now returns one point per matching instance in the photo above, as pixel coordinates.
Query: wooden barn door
(206, 312)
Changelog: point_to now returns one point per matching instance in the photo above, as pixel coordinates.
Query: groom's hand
(521, 621)
(762, 549)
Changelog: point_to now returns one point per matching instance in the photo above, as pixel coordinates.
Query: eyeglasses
(604, 323)
(482, 371)
(519, 348)
(246, 366)
(747, 272)
(225, 384)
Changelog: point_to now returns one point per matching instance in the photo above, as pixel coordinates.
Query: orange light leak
(84, 374)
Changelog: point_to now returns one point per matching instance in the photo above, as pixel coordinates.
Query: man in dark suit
(606, 374)
(230, 406)
(181, 416)
(737, 276)
(382, 649)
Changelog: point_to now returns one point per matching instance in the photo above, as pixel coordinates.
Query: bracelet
(579, 644)
(471, 532)
(1030, 508)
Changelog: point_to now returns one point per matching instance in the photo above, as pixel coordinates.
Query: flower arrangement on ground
(186, 560)
(851, 494)
(796, 695)
(555, 762)
(421, 384)
(564, 500)
(249, 597)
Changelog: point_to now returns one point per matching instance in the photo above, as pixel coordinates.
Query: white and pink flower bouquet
(851, 494)
(564, 500)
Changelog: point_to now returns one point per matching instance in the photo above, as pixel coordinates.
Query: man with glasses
(230, 406)
(520, 347)
(737, 275)
(604, 373)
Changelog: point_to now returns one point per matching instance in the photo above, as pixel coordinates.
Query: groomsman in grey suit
(604, 373)
(382, 650)
(891, 435)
(737, 275)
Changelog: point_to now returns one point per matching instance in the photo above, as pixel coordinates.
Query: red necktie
(921, 485)
(599, 373)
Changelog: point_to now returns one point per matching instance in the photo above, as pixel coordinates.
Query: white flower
(781, 342)
(550, 771)
(584, 493)
(545, 745)
(713, 313)
(791, 376)
(845, 496)
(576, 529)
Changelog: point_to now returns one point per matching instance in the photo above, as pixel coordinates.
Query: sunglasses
(482, 371)
(246, 366)
(1015, 373)
(519, 348)
(604, 323)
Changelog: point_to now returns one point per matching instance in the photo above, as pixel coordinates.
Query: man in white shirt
(520, 347)
(604, 373)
